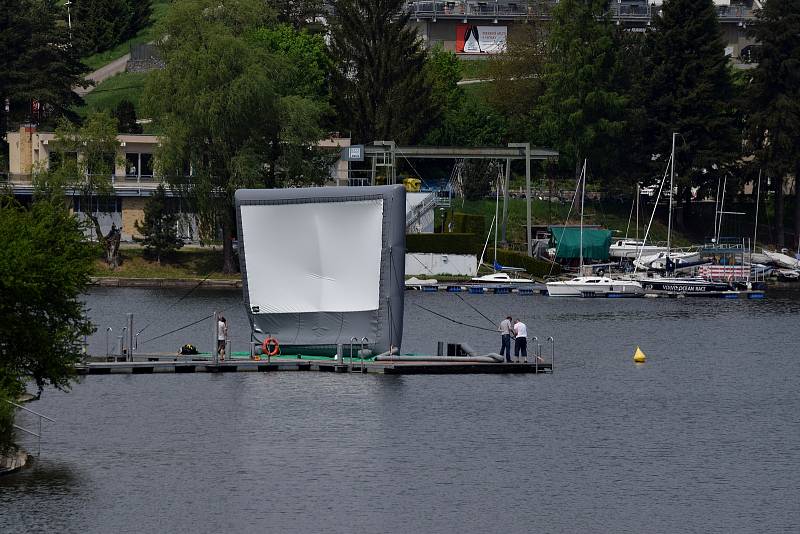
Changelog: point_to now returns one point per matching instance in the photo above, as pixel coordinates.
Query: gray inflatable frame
(322, 331)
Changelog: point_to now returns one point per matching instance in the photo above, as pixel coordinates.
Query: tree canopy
(379, 82)
(45, 264)
(224, 117)
(773, 100)
(686, 87)
(582, 111)
(38, 64)
(102, 24)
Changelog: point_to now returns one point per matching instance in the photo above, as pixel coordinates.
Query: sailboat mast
(755, 225)
(496, 214)
(583, 196)
(637, 211)
(671, 188)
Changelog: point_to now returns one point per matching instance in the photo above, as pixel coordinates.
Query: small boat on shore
(501, 278)
(632, 248)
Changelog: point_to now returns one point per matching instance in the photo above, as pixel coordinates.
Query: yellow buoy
(639, 356)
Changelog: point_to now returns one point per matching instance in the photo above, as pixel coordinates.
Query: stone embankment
(13, 462)
(167, 282)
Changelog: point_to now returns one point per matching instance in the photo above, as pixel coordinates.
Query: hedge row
(467, 223)
(442, 243)
(534, 266)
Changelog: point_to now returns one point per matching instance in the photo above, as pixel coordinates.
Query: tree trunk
(227, 248)
(779, 211)
(110, 242)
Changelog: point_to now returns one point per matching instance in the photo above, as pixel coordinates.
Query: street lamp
(69, 19)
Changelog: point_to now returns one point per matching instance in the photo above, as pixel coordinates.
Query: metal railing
(38, 434)
(417, 212)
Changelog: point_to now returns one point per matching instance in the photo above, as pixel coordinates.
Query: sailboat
(674, 261)
(498, 277)
(629, 249)
(592, 286)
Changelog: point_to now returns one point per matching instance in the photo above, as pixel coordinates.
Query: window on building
(132, 165)
(56, 158)
(138, 165)
(146, 165)
(98, 204)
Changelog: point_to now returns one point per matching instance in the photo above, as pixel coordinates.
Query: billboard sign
(474, 39)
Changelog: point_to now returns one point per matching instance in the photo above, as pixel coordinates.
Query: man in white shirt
(520, 339)
(505, 329)
(222, 336)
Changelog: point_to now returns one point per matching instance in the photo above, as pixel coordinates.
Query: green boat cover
(567, 241)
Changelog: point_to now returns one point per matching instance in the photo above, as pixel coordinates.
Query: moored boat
(594, 286)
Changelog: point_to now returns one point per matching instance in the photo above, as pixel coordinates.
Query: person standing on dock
(505, 329)
(222, 336)
(520, 339)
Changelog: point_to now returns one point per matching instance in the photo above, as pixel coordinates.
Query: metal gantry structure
(384, 154)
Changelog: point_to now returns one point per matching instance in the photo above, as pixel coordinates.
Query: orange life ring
(270, 341)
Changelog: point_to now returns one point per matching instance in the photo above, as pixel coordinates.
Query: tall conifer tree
(687, 89)
(380, 87)
(774, 100)
(581, 110)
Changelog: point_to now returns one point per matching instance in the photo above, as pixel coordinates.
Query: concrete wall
(418, 263)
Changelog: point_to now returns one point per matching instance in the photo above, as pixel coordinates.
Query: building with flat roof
(475, 29)
(134, 178)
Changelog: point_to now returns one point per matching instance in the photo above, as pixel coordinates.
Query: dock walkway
(181, 365)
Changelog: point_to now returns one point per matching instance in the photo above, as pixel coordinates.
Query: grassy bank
(145, 35)
(106, 96)
(613, 216)
(188, 262)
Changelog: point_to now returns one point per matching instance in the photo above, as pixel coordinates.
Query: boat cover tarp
(322, 265)
(567, 241)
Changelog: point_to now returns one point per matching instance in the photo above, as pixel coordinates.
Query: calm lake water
(704, 437)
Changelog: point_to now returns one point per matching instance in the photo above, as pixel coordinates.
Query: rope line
(184, 327)
(454, 320)
(176, 302)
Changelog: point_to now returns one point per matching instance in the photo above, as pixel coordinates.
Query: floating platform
(171, 364)
(752, 294)
(480, 289)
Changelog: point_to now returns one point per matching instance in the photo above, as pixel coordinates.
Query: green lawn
(472, 69)
(105, 97)
(146, 35)
(188, 262)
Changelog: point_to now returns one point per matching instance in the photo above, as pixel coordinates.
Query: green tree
(517, 76)
(686, 88)
(102, 24)
(219, 106)
(85, 160)
(125, 113)
(582, 110)
(300, 14)
(773, 99)
(159, 229)
(45, 264)
(37, 62)
(379, 81)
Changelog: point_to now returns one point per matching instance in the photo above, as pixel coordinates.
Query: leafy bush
(534, 266)
(443, 243)
(469, 223)
(6, 423)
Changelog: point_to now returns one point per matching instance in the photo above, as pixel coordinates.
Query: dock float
(330, 366)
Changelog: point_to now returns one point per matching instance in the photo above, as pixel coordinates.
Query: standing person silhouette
(222, 336)
(520, 339)
(505, 330)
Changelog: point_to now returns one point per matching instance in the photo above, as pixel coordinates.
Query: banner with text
(473, 39)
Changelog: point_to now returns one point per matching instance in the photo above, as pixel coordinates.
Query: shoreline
(210, 283)
(13, 462)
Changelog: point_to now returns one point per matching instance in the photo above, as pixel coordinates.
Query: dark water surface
(704, 437)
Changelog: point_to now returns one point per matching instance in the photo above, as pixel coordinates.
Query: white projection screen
(319, 257)
(323, 265)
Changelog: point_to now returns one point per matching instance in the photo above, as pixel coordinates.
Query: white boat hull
(592, 286)
(501, 278)
(783, 260)
(659, 261)
(633, 249)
